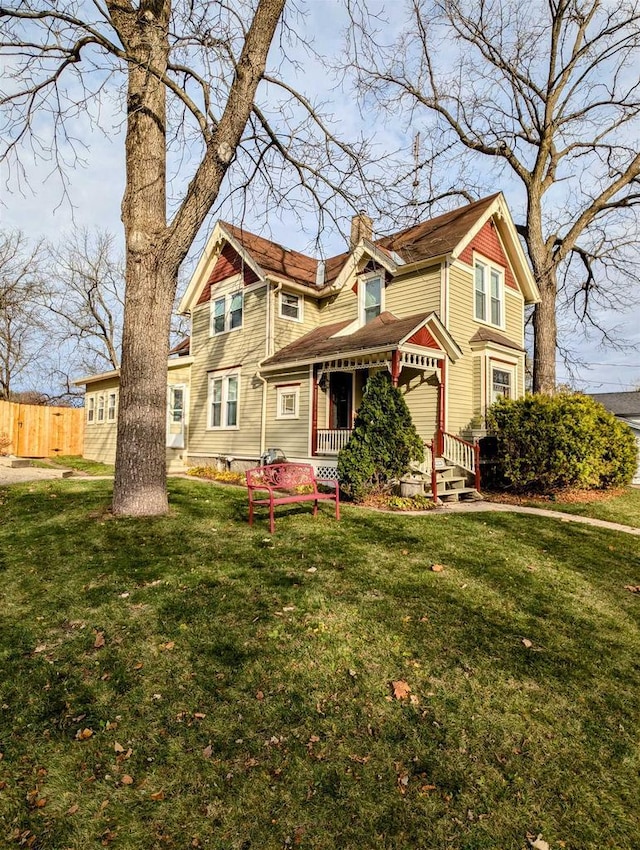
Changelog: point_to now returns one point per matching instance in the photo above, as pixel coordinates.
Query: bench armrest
(252, 487)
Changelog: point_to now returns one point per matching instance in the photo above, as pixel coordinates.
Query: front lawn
(623, 507)
(190, 682)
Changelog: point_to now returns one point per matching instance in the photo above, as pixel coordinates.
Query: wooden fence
(37, 431)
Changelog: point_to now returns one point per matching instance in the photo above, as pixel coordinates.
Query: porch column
(442, 387)
(314, 412)
(395, 367)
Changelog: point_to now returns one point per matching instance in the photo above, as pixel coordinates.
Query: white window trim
(502, 366)
(112, 394)
(91, 408)
(362, 281)
(230, 287)
(288, 389)
(223, 375)
(282, 315)
(479, 259)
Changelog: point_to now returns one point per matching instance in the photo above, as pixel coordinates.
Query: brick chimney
(361, 228)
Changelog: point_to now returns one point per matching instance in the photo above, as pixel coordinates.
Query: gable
(423, 337)
(228, 264)
(487, 242)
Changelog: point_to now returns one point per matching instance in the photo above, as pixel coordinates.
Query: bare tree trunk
(545, 334)
(140, 481)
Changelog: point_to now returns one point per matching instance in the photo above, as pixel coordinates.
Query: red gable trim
(423, 337)
(487, 243)
(228, 264)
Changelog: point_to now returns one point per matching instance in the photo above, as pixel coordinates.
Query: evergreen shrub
(568, 440)
(383, 443)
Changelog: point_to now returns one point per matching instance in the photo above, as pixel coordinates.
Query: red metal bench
(287, 483)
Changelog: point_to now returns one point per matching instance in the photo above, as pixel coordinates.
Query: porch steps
(452, 487)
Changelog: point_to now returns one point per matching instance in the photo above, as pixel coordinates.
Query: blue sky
(95, 193)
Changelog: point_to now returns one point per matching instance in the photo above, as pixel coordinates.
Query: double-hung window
(290, 306)
(372, 295)
(100, 408)
(501, 383)
(488, 294)
(111, 407)
(226, 312)
(91, 409)
(224, 393)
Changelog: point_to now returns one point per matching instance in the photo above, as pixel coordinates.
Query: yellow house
(282, 343)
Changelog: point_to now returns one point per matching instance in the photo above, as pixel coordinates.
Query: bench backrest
(282, 476)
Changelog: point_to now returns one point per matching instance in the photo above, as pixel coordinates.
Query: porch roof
(384, 332)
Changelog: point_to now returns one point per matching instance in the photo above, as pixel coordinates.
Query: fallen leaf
(207, 751)
(401, 690)
(118, 747)
(40, 648)
(437, 568)
(538, 844)
(158, 795)
(199, 715)
(169, 645)
(526, 642)
(260, 695)
(632, 588)
(83, 734)
(403, 782)
(405, 551)
(99, 642)
(138, 666)
(72, 809)
(413, 699)
(127, 780)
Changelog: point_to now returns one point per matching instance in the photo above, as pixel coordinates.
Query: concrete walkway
(478, 507)
(25, 474)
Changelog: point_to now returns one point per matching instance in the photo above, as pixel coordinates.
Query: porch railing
(329, 441)
(427, 464)
(461, 453)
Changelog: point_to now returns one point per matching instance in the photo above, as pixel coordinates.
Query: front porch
(338, 386)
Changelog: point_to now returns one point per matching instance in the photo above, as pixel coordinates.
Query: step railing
(460, 453)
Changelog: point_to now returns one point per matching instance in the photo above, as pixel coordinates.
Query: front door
(341, 399)
(175, 417)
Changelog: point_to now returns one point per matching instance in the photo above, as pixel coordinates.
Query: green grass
(624, 509)
(244, 681)
(81, 464)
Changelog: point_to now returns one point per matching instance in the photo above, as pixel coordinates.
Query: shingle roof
(430, 238)
(274, 258)
(385, 330)
(620, 404)
(182, 348)
(489, 335)
(438, 235)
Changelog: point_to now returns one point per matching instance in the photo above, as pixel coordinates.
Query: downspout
(267, 353)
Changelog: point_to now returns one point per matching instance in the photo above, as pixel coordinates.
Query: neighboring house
(626, 407)
(282, 343)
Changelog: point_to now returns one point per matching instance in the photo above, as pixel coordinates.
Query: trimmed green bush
(547, 443)
(383, 442)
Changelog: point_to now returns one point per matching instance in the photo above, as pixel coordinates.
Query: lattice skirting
(325, 471)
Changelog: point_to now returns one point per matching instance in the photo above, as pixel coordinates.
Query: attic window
(226, 313)
(372, 289)
(488, 294)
